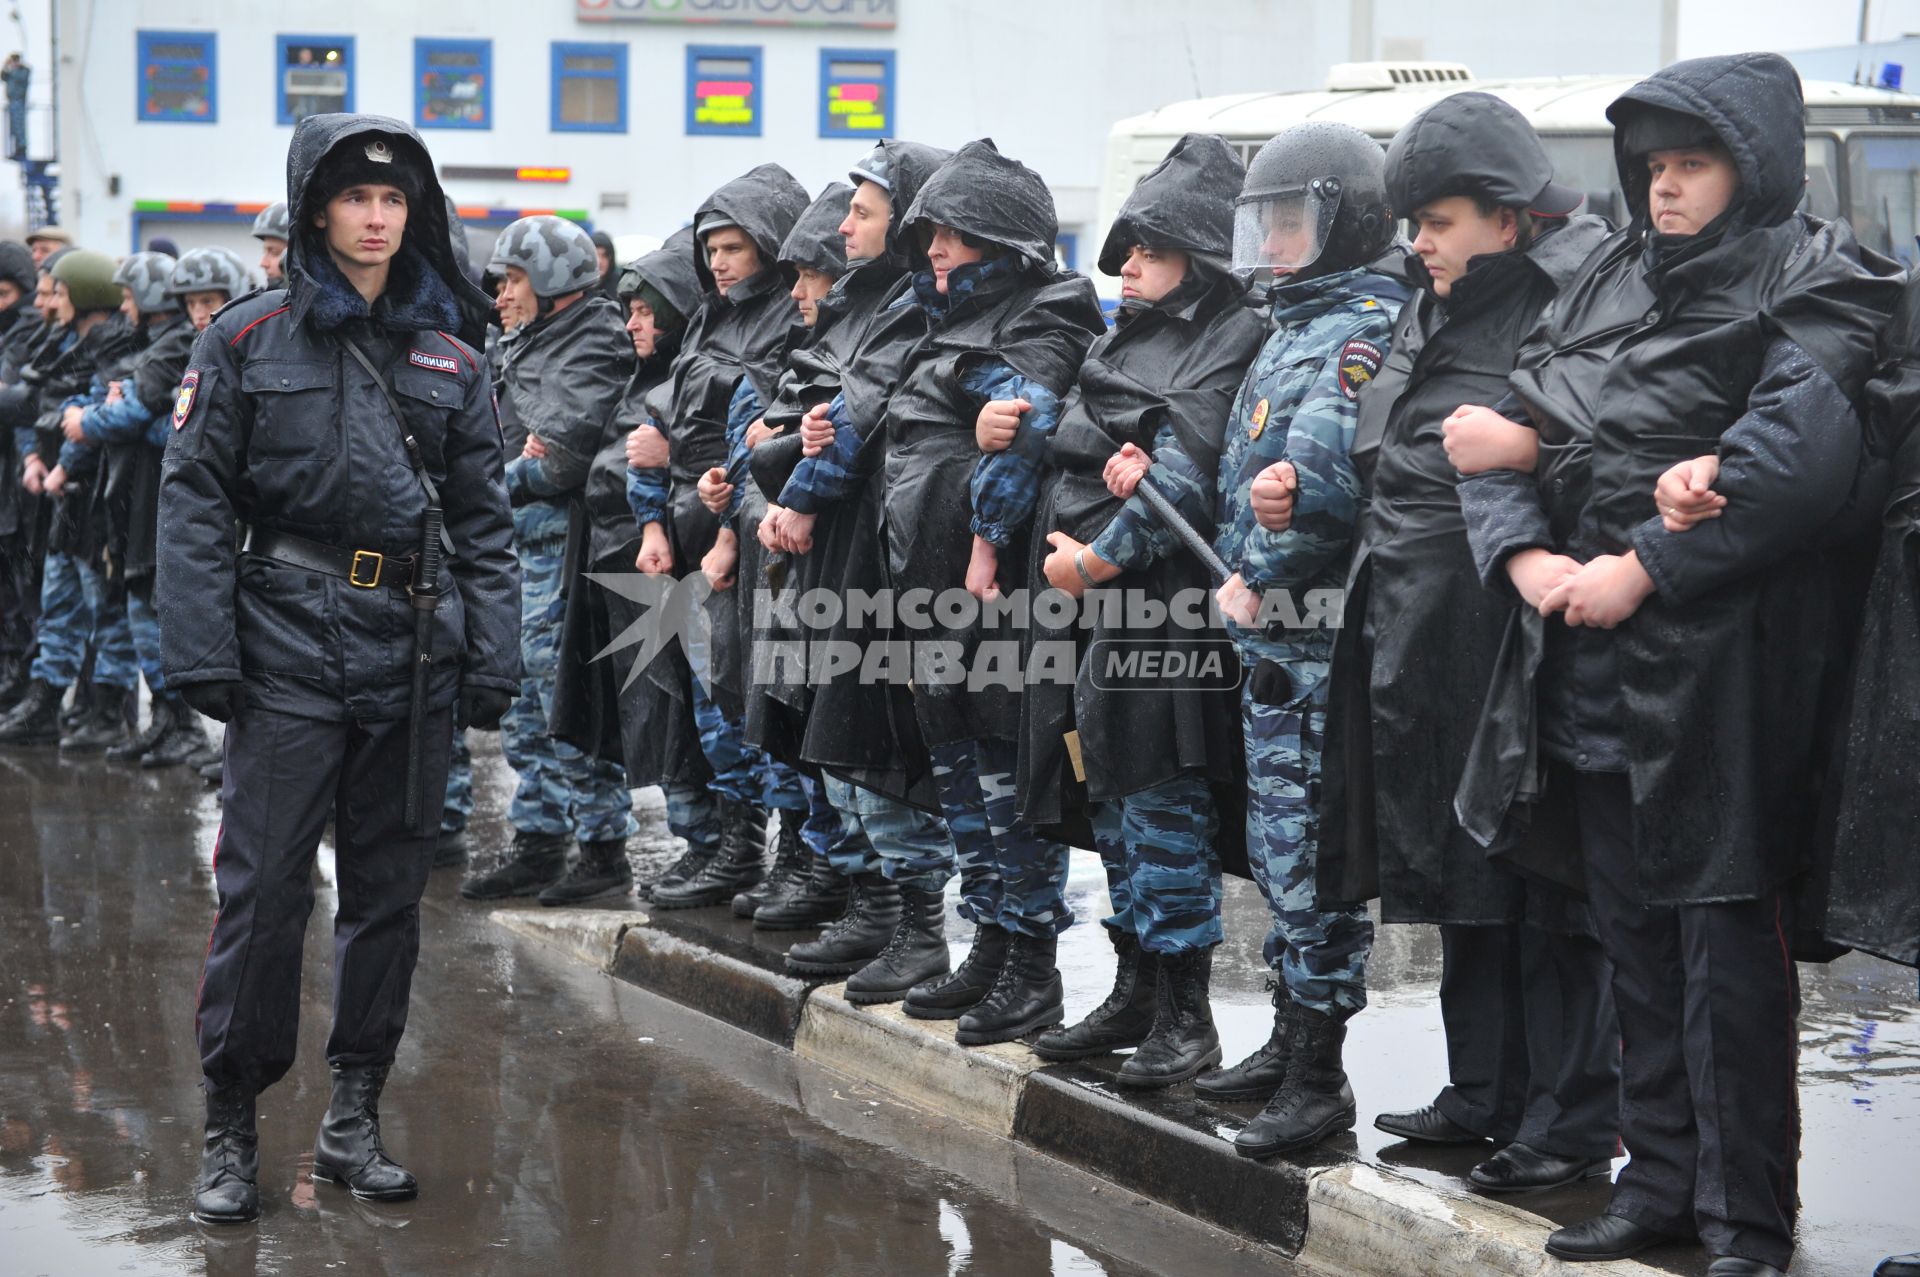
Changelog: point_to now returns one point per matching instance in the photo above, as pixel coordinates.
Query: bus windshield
(1883, 183)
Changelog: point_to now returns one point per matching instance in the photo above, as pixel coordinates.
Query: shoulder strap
(411, 444)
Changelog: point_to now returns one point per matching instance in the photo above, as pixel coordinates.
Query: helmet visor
(1278, 233)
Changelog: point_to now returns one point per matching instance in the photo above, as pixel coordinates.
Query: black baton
(1178, 525)
(424, 594)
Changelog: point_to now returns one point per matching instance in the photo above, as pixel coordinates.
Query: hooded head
(1185, 202)
(16, 267)
(815, 242)
(1748, 104)
(900, 169)
(990, 199)
(665, 281)
(764, 202)
(328, 154)
(1477, 145)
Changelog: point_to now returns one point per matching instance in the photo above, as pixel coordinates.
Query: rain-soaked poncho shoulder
(1184, 202)
(815, 241)
(986, 195)
(428, 230)
(764, 202)
(669, 269)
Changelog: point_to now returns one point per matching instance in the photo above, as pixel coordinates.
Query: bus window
(1823, 184)
(1883, 193)
(1585, 162)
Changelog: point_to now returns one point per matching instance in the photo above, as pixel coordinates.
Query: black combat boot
(1025, 999)
(1183, 1041)
(450, 849)
(916, 953)
(1315, 1101)
(952, 996)
(104, 725)
(184, 737)
(228, 1191)
(872, 916)
(35, 718)
(791, 860)
(602, 873)
(133, 749)
(686, 865)
(534, 863)
(1259, 1075)
(1123, 1020)
(348, 1150)
(739, 866)
(815, 900)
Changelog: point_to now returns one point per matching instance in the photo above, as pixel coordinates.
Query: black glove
(482, 707)
(221, 700)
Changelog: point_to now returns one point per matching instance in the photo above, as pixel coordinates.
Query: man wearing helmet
(350, 432)
(1313, 228)
(270, 228)
(564, 375)
(74, 608)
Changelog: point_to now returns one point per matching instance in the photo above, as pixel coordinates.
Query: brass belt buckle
(372, 580)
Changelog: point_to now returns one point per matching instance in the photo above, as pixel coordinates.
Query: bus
(1863, 144)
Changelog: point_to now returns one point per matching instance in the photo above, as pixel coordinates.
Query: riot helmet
(1314, 202)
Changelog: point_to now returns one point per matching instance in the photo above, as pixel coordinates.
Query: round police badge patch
(1259, 420)
(1359, 364)
(183, 401)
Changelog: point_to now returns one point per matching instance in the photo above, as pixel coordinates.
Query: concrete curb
(1362, 1219)
(1332, 1212)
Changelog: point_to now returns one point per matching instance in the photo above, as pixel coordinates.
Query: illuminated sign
(176, 76)
(856, 93)
(453, 84)
(723, 90)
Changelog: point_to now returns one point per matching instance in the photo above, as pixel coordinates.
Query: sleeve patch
(183, 401)
(1359, 364)
(434, 363)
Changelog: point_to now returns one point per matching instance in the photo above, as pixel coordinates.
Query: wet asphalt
(560, 1121)
(559, 1118)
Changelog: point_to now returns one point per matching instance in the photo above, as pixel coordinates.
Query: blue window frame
(589, 87)
(313, 74)
(723, 90)
(453, 84)
(179, 81)
(856, 93)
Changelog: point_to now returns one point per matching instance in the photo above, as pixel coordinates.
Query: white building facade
(174, 115)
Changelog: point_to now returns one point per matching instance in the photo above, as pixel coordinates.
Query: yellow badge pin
(1259, 420)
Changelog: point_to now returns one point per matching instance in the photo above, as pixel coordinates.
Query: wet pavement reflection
(559, 1120)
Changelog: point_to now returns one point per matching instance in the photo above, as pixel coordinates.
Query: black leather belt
(365, 569)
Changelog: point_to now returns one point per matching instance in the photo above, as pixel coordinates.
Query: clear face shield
(1277, 233)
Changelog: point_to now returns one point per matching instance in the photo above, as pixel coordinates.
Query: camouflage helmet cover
(145, 276)
(272, 223)
(557, 255)
(209, 270)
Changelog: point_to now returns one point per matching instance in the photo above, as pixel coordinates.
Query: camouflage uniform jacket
(1299, 404)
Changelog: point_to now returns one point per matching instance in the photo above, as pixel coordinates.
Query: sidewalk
(1363, 1202)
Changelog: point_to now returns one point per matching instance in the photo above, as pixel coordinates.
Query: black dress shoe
(1899, 1266)
(1734, 1266)
(1520, 1169)
(1426, 1125)
(1603, 1237)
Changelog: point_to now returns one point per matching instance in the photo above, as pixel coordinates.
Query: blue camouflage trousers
(1320, 953)
(458, 809)
(694, 814)
(956, 778)
(742, 773)
(143, 628)
(1163, 868)
(829, 837)
(73, 610)
(906, 844)
(1032, 870)
(561, 789)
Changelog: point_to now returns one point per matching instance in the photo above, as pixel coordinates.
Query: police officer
(1153, 751)
(346, 424)
(270, 228)
(1312, 223)
(564, 374)
(19, 327)
(1532, 1049)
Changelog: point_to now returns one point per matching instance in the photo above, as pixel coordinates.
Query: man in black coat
(1532, 1049)
(1680, 697)
(330, 421)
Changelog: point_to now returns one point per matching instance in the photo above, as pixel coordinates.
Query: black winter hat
(16, 266)
(369, 159)
(1478, 145)
(1647, 129)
